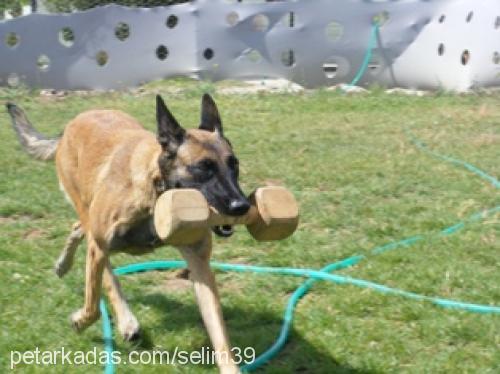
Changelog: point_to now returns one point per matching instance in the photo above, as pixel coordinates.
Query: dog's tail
(36, 144)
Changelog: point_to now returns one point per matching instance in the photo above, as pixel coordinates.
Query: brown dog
(112, 170)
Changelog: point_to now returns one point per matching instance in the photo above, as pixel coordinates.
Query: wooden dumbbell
(183, 216)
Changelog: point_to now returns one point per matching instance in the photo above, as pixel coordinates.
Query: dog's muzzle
(224, 231)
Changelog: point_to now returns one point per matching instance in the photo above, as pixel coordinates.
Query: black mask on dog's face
(202, 159)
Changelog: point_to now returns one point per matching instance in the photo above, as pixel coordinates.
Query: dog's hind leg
(128, 326)
(96, 261)
(65, 260)
(198, 260)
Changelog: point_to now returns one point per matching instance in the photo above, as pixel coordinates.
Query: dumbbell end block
(181, 217)
(278, 214)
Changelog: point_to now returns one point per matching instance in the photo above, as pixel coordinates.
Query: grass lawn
(360, 183)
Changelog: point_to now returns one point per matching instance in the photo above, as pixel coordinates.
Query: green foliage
(13, 7)
(69, 5)
(11, 39)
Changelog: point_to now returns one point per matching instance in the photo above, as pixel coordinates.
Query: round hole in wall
(208, 53)
(122, 31)
(334, 31)
(66, 37)
(12, 39)
(260, 22)
(469, 16)
(330, 69)
(465, 57)
(441, 49)
(381, 18)
(288, 58)
(43, 63)
(253, 56)
(162, 52)
(102, 58)
(441, 18)
(232, 18)
(375, 66)
(13, 80)
(496, 58)
(335, 67)
(172, 21)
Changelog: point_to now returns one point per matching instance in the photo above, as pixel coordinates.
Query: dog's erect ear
(210, 119)
(170, 133)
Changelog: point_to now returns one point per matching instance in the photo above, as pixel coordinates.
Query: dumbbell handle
(270, 206)
(219, 219)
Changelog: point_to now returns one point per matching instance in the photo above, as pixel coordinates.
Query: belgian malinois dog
(112, 170)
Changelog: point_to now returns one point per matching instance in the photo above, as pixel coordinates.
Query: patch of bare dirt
(231, 286)
(177, 281)
(4, 220)
(176, 285)
(34, 234)
(486, 139)
(262, 85)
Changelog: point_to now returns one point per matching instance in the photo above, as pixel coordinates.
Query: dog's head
(201, 158)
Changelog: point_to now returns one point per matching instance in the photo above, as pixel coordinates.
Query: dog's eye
(232, 162)
(208, 165)
(205, 169)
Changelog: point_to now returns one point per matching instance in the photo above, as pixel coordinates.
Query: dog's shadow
(258, 327)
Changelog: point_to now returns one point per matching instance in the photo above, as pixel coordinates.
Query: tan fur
(107, 164)
(37, 145)
(109, 169)
(102, 158)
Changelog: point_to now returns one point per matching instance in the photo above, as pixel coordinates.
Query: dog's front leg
(197, 258)
(96, 259)
(127, 323)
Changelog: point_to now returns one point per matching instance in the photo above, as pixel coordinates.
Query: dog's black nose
(238, 207)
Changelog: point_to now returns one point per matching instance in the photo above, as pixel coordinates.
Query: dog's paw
(129, 328)
(81, 320)
(62, 266)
